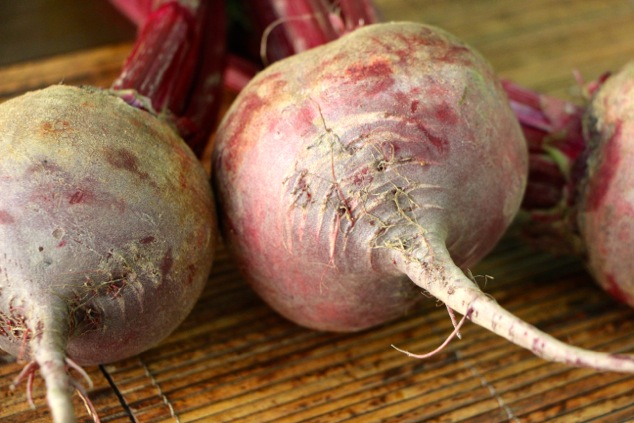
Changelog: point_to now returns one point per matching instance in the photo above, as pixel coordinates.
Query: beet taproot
(606, 206)
(581, 183)
(107, 231)
(389, 156)
(107, 218)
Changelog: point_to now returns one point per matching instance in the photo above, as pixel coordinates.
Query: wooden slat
(98, 67)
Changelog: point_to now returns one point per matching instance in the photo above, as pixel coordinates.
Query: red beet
(106, 229)
(349, 171)
(582, 182)
(107, 221)
(606, 205)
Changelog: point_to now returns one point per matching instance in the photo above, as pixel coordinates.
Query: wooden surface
(32, 29)
(234, 359)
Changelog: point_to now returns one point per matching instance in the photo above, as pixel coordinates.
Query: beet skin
(107, 232)
(354, 174)
(329, 163)
(605, 212)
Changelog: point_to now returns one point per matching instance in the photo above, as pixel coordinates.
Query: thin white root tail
(452, 335)
(438, 275)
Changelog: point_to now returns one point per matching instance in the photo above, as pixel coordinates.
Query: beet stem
(162, 55)
(553, 129)
(437, 274)
(202, 106)
(176, 66)
(238, 72)
(287, 27)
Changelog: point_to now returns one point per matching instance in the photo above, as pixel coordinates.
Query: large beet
(107, 231)
(346, 172)
(606, 193)
(107, 222)
(581, 181)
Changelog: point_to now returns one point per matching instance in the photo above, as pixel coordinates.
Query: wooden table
(234, 359)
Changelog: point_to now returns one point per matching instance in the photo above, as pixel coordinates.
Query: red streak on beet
(191, 273)
(80, 196)
(166, 263)
(444, 113)
(444, 52)
(125, 160)
(6, 218)
(378, 74)
(147, 240)
(440, 143)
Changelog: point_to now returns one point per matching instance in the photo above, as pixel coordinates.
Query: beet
(106, 229)
(580, 202)
(606, 206)
(107, 220)
(387, 157)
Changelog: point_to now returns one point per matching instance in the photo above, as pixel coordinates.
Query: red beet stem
(282, 28)
(302, 26)
(288, 27)
(163, 55)
(291, 26)
(549, 121)
(554, 131)
(176, 66)
(238, 72)
(203, 104)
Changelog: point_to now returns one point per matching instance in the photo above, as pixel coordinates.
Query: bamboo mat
(234, 359)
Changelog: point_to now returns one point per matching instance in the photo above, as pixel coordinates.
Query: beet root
(107, 233)
(605, 211)
(581, 197)
(387, 157)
